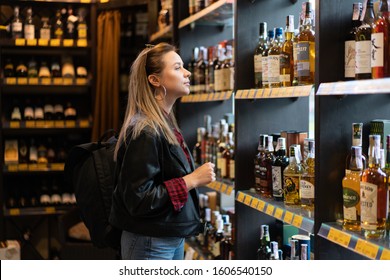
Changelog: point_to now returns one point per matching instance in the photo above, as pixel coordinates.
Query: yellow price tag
(217, 185)
(84, 123)
(252, 94)
(12, 167)
(57, 166)
(33, 81)
(59, 124)
(40, 124)
(275, 92)
(82, 43)
(31, 42)
(270, 209)
(339, 237)
(247, 200)
(70, 124)
(266, 93)
(366, 249)
(49, 124)
(229, 190)
(289, 91)
(68, 42)
(20, 42)
(223, 187)
(46, 81)
(238, 94)
(42, 166)
(240, 197)
(297, 221)
(30, 124)
(278, 213)
(50, 210)
(14, 124)
(22, 81)
(43, 42)
(288, 217)
(10, 81)
(55, 42)
(259, 93)
(58, 81)
(228, 95)
(254, 203)
(245, 93)
(81, 81)
(14, 212)
(23, 167)
(33, 167)
(385, 254)
(261, 205)
(68, 81)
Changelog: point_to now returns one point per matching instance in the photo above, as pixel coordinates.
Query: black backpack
(90, 171)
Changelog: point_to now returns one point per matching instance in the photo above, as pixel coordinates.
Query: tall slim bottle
(363, 43)
(350, 43)
(307, 182)
(306, 50)
(274, 59)
(380, 43)
(264, 59)
(387, 170)
(280, 163)
(291, 177)
(258, 158)
(259, 54)
(264, 250)
(16, 25)
(351, 190)
(374, 193)
(286, 56)
(29, 27)
(265, 167)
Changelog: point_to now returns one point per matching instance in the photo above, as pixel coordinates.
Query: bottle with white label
(274, 59)
(350, 43)
(16, 25)
(259, 55)
(374, 194)
(280, 163)
(29, 27)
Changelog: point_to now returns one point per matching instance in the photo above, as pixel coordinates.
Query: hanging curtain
(106, 109)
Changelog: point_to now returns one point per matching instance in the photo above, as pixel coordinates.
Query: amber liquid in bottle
(286, 56)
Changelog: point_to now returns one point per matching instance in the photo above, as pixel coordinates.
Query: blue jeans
(141, 247)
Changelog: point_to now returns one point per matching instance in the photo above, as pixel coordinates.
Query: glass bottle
(70, 24)
(227, 243)
(42, 154)
(21, 70)
(380, 43)
(350, 43)
(229, 157)
(258, 158)
(280, 163)
(23, 152)
(82, 27)
(211, 55)
(29, 27)
(200, 70)
(286, 55)
(58, 28)
(306, 50)
(9, 69)
(274, 250)
(363, 43)
(70, 112)
(291, 177)
(259, 54)
(264, 58)
(274, 59)
(265, 167)
(32, 70)
(45, 31)
(197, 150)
(16, 25)
(33, 152)
(264, 250)
(307, 182)
(228, 69)
(59, 112)
(374, 193)
(191, 68)
(357, 134)
(191, 7)
(208, 228)
(387, 170)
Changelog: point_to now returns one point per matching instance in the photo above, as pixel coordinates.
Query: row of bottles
(65, 24)
(21, 151)
(285, 177)
(39, 193)
(47, 112)
(195, 6)
(32, 69)
(288, 61)
(212, 68)
(366, 186)
(367, 46)
(215, 143)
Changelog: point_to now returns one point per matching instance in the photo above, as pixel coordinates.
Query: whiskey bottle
(191, 68)
(210, 83)
(264, 250)
(16, 25)
(274, 59)
(350, 43)
(197, 150)
(304, 252)
(51, 154)
(16, 115)
(23, 152)
(29, 27)
(280, 163)
(70, 112)
(9, 70)
(207, 135)
(28, 113)
(306, 50)
(55, 70)
(55, 198)
(258, 158)
(380, 43)
(48, 112)
(374, 193)
(207, 229)
(32, 70)
(292, 176)
(44, 71)
(58, 27)
(294, 255)
(357, 134)
(44, 198)
(59, 112)
(307, 182)
(199, 5)
(191, 7)
(221, 150)
(70, 30)
(42, 154)
(33, 152)
(286, 56)
(45, 31)
(82, 27)
(265, 166)
(200, 70)
(229, 157)
(264, 58)
(21, 70)
(228, 69)
(259, 54)
(38, 114)
(363, 43)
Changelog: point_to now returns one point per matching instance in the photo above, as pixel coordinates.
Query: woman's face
(174, 77)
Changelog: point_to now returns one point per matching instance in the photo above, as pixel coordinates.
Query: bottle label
(363, 57)
(82, 31)
(45, 34)
(368, 205)
(306, 189)
(258, 63)
(349, 59)
(291, 189)
(218, 79)
(274, 68)
(29, 31)
(303, 64)
(277, 186)
(17, 27)
(264, 61)
(231, 169)
(377, 46)
(285, 67)
(351, 200)
(221, 164)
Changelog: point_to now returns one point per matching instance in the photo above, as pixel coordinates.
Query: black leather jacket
(141, 203)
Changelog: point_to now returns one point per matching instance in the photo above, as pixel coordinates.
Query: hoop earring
(165, 91)
(165, 94)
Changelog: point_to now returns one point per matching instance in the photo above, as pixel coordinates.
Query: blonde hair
(142, 108)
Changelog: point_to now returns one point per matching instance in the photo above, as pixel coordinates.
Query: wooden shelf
(165, 33)
(207, 97)
(219, 13)
(266, 93)
(296, 216)
(356, 242)
(374, 86)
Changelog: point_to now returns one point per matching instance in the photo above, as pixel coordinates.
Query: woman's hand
(201, 176)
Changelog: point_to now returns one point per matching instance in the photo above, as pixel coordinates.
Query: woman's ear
(154, 80)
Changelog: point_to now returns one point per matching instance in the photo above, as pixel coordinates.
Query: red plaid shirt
(177, 188)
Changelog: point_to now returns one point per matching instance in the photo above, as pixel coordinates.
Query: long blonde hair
(142, 107)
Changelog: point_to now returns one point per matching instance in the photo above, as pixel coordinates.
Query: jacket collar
(178, 153)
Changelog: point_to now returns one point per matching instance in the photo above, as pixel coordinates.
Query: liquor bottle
(200, 71)
(44, 71)
(265, 166)
(218, 77)
(350, 43)
(221, 150)
(70, 30)
(191, 7)
(16, 115)
(374, 193)
(9, 70)
(227, 243)
(228, 69)
(48, 112)
(42, 154)
(351, 190)
(307, 182)
(363, 43)
(211, 54)
(21, 70)
(264, 251)
(380, 43)
(55, 198)
(38, 114)
(291, 177)
(204, 146)
(59, 112)
(44, 198)
(286, 56)
(197, 150)
(29, 27)
(258, 158)
(58, 27)
(32, 70)
(82, 27)
(274, 59)
(23, 152)
(51, 154)
(387, 170)
(218, 237)
(229, 157)
(304, 252)
(294, 249)
(191, 68)
(259, 54)
(55, 70)
(274, 250)
(28, 113)
(264, 58)
(16, 25)
(199, 5)
(357, 134)
(70, 112)
(207, 229)
(306, 50)
(280, 163)
(33, 152)
(45, 31)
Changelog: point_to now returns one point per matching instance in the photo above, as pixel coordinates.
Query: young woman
(156, 202)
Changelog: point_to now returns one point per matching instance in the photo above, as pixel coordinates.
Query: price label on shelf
(14, 212)
(278, 213)
(57, 166)
(49, 124)
(70, 124)
(33, 81)
(58, 81)
(266, 93)
(247, 200)
(240, 197)
(275, 92)
(229, 190)
(55, 42)
(259, 93)
(14, 124)
(270, 209)
(68, 81)
(10, 81)
(43, 42)
(82, 43)
(81, 81)
(50, 210)
(40, 124)
(23, 167)
(20, 42)
(46, 81)
(297, 221)
(84, 123)
(22, 81)
(366, 249)
(252, 94)
(289, 91)
(33, 167)
(339, 237)
(254, 203)
(228, 95)
(238, 94)
(68, 42)
(223, 188)
(59, 124)
(261, 205)
(12, 167)
(31, 42)
(288, 217)
(385, 254)
(30, 124)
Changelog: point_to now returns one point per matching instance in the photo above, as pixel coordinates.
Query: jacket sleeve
(144, 192)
